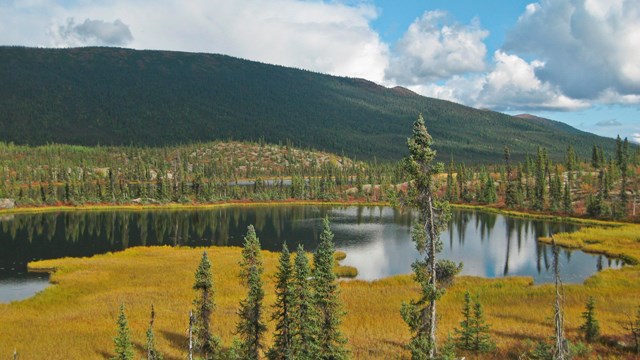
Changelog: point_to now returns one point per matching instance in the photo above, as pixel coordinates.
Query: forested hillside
(112, 96)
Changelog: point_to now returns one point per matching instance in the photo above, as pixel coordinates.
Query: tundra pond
(377, 239)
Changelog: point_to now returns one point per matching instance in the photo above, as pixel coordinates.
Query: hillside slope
(112, 96)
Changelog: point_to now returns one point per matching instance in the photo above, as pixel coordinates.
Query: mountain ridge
(115, 96)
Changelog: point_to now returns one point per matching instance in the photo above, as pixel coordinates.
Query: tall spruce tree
(122, 341)
(433, 216)
(331, 342)
(540, 184)
(481, 337)
(623, 165)
(571, 164)
(555, 190)
(567, 202)
(510, 196)
(250, 327)
(282, 348)
(464, 338)
(590, 328)
(203, 304)
(305, 317)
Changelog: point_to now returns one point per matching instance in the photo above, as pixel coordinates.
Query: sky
(576, 61)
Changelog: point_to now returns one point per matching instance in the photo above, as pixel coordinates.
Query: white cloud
(460, 89)
(588, 46)
(609, 123)
(635, 137)
(433, 50)
(328, 37)
(91, 32)
(512, 84)
(610, 96)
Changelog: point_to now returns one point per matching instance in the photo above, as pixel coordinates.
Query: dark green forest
(112, 96)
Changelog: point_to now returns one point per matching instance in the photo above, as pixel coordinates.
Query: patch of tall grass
(75, 317)
(621, 242)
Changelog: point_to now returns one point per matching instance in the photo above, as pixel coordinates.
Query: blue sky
(495, 15)
(576, 61)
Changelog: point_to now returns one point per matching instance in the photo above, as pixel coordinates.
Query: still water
(377, 239)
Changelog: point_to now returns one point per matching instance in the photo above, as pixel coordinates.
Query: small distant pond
(377, 240)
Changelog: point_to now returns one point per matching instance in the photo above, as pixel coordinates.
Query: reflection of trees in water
(462, 219)
(115, 230)
(599, 263)
(46, 235)
(509, 226)
(486, 222)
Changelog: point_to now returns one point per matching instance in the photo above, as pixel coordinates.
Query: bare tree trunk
(561, 344)
(191, 335)
(431, 231)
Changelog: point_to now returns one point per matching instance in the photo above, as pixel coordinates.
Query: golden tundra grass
(75, 318)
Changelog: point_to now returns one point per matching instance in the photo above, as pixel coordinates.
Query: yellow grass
(75, 318)
(622, 241)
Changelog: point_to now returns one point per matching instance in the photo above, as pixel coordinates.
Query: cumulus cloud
(608, 123)
(586, 45)
(432, 50)
(511, 84)
(610, 96)
(324, 36)
(92, 32)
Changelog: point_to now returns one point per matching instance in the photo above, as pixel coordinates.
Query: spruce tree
(203, 340)
(282, 348)
(595, 159)
(464, 337)
(451, 194)
(623, 164)
(152, 353)
(474, 331)
(326, 298)
(304, 321)
(555, 190)
(540, 184)
(567, 202)
(250, 327)
(433, 216)
(481, 338)
(122, 341)
(510, 197)
(590, 327)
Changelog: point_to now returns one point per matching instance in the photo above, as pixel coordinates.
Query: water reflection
(489, 245)
(377, 239)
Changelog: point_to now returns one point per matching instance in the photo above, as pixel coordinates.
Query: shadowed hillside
(112, 96)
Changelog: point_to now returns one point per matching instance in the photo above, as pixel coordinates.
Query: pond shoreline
(563, 240)
(625, 251)
(296, 202)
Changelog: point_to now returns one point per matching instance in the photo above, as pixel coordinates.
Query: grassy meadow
(75, 318)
